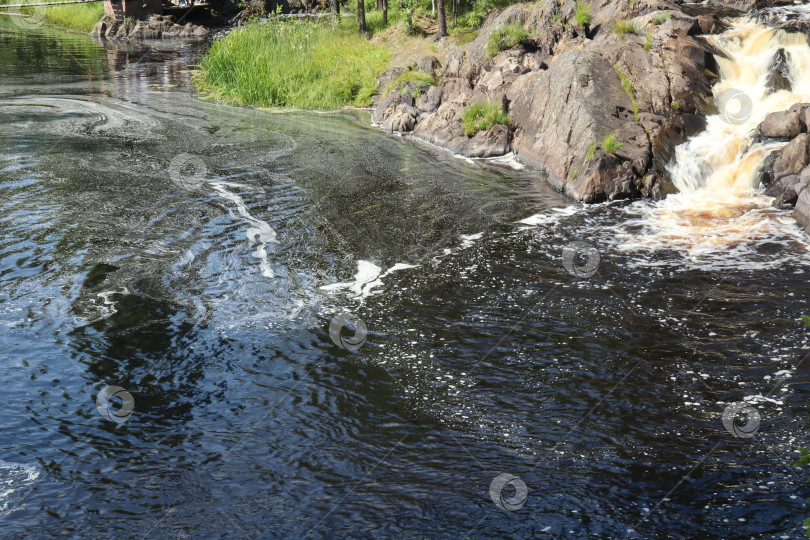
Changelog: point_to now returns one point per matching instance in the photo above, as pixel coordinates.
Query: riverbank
(597, 98)
(294, 63)
(598, 105)
(76, 17)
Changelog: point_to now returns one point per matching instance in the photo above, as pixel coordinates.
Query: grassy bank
(79, 17)
(295, 63)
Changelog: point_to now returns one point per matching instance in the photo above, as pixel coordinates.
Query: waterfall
(718, 204)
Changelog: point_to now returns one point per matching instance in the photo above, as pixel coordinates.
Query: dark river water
(174, 275)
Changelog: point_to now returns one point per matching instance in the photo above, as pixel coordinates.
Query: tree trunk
(334, 7)
(385, 12)
(442, 19)
(361, 16)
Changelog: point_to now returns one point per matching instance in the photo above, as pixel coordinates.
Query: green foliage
(482, 116)
(574, 173)
(806, 319)
(628, 87)
(294, 63)
(479, 11)
(648, 41)
(583, 14)
(416, 79)
(624, 27)
(626, 83)
(609, 144)
(804, 458)
(661, 18)
(505, 38)
(79, 17)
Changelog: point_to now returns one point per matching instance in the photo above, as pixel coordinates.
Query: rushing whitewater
(718, 204)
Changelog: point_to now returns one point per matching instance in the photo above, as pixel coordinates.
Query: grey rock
(493, 142)
(402, 119)
(802, 210)
(429, 101)
(792, 158)
(428, 64)
(779, 72)
(781, 125)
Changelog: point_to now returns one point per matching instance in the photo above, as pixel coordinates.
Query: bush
(505, 38)
(295, 63)
(623, 27)
(661, 18)
(482, 116)
(583, 14)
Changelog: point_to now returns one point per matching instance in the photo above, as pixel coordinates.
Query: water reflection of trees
(48, 50)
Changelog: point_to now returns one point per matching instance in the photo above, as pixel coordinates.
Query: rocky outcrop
(566, 89)
(786, 173)
(150, 28)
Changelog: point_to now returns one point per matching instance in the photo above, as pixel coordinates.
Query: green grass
(482, 116)
(505, 38)
(648, 41)
(463, 37)
(628, 87)
(624, 27)
(661, 18)
(609, 144)
(294, 63)
(416, 78)
(79, 17)
(583, 14)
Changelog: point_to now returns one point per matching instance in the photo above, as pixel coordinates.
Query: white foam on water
(368, 277)
(14, 478)
(259, 233)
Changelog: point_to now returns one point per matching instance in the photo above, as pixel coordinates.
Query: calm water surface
(194, 254)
